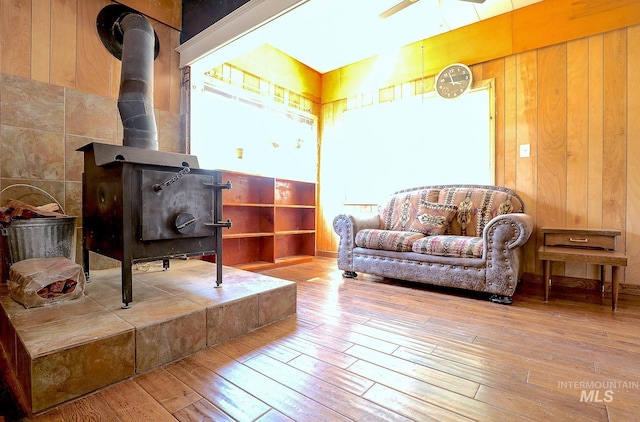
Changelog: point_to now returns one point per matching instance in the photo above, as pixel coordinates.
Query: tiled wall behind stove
(42, 126)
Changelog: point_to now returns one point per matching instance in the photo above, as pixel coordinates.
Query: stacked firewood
(18, 209)
(57, 288)
(43, 281)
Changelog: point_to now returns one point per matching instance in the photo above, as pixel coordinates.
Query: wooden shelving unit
(273, 221)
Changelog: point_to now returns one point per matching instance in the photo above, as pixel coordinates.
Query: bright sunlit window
(415, 141)
(241, 123)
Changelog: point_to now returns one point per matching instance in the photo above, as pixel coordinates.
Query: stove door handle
(226, 185)
(226, 224)
(172, 179)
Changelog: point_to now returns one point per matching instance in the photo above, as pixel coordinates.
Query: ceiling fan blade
(398, 7)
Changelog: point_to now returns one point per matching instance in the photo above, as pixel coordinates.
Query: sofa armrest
(515, 228)
(503, 238)
(346, 226)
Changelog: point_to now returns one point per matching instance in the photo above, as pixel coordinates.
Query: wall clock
(453, 81)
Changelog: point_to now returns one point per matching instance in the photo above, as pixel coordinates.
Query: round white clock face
(453, 81)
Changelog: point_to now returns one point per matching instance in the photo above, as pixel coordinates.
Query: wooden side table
(597, 247)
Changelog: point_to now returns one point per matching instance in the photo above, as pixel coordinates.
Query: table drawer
(582, 240)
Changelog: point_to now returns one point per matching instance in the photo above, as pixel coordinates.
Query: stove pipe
(135, 101)
(131, 38)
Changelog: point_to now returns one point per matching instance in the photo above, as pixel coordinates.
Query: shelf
(273, 221)
(294, 259)
(296, 206)
(248, 219)
(255, 266)
(245, 235)
(280, 262)
(247, 189)
(238, 251)
(291, 244)
(292, 232)
(290, 192)
(240, 204)
(294, 219)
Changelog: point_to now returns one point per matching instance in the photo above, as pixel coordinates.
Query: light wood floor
(373, 349)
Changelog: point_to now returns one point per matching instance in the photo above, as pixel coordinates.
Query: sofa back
(477, 205)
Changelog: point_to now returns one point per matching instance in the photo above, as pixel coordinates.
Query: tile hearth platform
(62, 351)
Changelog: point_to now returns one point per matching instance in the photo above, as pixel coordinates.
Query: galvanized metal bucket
(45, 237)
(41, 238)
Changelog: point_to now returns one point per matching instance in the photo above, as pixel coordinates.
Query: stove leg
(85, 250)
(85, 262)
(127, 295)
(218, 268)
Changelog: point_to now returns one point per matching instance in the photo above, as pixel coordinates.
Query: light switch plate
(525, 151)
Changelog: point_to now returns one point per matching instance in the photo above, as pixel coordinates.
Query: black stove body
(146, 205)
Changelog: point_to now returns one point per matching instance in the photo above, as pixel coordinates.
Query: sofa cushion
(402, 208)
(388, 240)
(476, 207)
(454, 246)
(433, 219)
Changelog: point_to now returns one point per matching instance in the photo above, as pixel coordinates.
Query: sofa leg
(349, 274)
(503, 300)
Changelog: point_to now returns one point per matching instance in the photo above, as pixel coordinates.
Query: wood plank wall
(569, 102)
(55, 41)
(574, 103)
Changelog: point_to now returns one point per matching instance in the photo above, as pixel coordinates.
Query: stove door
(178, 209)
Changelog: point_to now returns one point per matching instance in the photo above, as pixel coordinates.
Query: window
(243, 123)
(409, 142)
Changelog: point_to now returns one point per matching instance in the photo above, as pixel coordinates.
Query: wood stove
(145, 205)
(138, 203)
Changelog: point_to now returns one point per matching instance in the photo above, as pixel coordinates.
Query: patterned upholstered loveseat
(463, 236)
